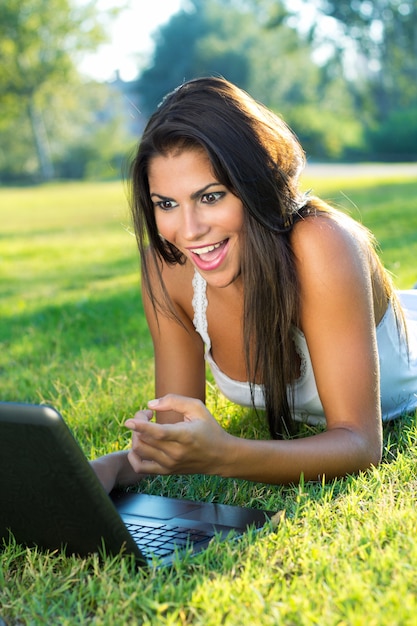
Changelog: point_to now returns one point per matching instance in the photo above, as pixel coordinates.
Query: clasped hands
(196, 445)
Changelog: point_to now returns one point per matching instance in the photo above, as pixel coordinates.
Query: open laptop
(50, 497)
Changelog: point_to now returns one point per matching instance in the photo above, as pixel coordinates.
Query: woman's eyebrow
(193, 196)
(200, 192)
(160, 196)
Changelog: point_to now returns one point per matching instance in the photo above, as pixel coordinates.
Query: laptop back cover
(49, 495)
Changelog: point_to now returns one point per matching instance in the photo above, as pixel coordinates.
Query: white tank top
(398, 372)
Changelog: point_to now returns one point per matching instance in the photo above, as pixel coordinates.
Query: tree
(39, 41)
(381, 36)
(209, 37)
(90, 134)
(378, 39)
(254, 44)
(314, 99)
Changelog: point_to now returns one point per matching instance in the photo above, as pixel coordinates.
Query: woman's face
(197, 214)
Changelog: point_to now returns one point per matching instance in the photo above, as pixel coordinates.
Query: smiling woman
(283, 296)
(197, 213)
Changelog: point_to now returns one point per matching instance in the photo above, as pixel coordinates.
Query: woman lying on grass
(266, 284)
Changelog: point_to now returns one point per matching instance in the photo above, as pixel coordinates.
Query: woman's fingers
(182, 447)
(188, 407)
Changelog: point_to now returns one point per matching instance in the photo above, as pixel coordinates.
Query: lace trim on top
(296, 333)
(200, 303)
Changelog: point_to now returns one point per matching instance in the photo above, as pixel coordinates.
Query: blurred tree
(86, 125)
(379, 41)
(384, 36)
(39, 41)
(209, 37)
(313, 99)
(90, 137)
(255, 44)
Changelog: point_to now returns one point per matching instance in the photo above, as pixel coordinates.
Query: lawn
(73, 334)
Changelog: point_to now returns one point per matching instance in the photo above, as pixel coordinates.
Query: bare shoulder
(328, 248)
(177, 281)
(322, 234)
(334, 273)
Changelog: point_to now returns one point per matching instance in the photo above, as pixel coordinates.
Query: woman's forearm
(115, 470)
(332, 453)
(198, 445)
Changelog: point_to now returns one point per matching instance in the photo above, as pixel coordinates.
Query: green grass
(73, 334)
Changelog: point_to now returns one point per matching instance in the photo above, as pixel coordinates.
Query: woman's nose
(193, 223)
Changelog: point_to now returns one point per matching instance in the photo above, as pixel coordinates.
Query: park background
(72, 327)
(343, 74)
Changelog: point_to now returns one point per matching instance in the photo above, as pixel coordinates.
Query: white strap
(200, 308)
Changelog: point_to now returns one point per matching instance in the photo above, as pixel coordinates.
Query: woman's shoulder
(329, 236)
(177, 280)
(334, 252)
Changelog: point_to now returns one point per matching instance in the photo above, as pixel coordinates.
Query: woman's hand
(197, 445)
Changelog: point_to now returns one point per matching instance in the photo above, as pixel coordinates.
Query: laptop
(51, 498)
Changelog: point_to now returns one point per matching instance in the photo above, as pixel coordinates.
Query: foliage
(87, 135)
(207, 38)
(378, 41)
(39, 44)
(254, 46)
(92, 136)
(73, 334)
(314, 101)
(342, 78)
(395, 138)
(342, 74)
(385, 36)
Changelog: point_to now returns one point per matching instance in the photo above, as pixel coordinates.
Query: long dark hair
(255, 155)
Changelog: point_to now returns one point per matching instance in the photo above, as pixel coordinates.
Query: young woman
(282, 295)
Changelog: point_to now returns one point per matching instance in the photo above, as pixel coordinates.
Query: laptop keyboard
(162, 540)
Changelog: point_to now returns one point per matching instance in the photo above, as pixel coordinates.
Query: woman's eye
(165, 205)
(212, 197)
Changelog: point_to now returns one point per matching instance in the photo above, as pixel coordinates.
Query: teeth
(207, 249)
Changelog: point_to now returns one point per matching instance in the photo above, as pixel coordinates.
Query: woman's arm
(339, 323)
(114, 470)
(179, 368)
(179, 362)
(200, 446)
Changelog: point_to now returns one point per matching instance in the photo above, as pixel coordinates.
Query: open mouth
(209, 257)
(207, 251)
